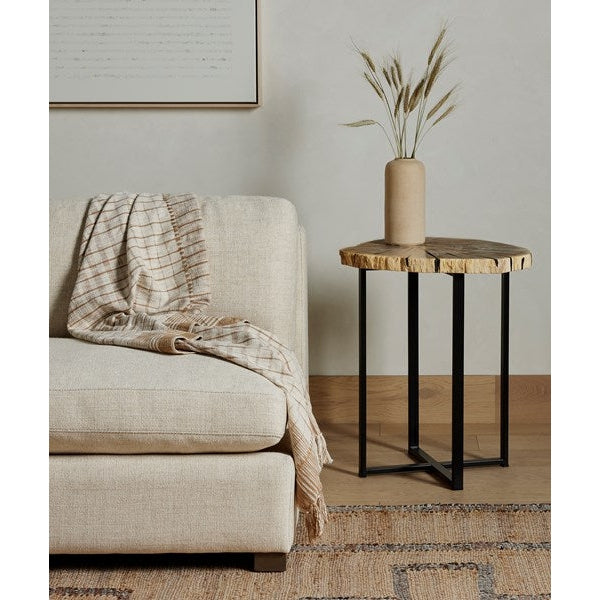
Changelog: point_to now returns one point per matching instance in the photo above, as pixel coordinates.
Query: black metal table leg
(413, 362)
(450, 471)
(504, 335)
(362, 372)
(458, 379)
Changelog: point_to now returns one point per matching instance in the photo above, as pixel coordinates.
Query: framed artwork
(154, 53)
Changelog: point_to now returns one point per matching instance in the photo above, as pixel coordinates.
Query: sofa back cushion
(253, 252)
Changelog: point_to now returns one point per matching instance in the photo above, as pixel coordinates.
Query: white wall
(488, 166)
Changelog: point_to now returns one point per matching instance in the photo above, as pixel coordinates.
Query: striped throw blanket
(143, 283)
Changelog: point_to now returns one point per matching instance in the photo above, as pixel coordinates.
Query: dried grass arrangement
(407, 102)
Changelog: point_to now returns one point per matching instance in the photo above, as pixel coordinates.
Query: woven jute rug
(420, 552)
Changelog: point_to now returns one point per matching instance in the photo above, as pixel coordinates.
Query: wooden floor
(526, 480)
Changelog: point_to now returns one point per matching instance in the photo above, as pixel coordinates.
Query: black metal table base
(450, 471)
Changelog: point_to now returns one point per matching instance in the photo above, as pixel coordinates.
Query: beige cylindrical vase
(405, 202)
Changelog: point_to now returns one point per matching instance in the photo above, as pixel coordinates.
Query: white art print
(155, 52)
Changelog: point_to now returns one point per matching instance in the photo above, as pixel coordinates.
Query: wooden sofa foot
(270, 562)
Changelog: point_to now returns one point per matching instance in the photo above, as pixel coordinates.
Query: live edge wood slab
(438, 255)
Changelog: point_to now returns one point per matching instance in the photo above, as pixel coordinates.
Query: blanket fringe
(322, 452)
(315, 518)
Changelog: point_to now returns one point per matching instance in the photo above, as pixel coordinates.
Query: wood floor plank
(534, 441)
(335, 398)
(526, 480)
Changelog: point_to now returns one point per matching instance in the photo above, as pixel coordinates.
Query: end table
(455, 257)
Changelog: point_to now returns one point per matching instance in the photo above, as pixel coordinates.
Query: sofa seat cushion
(113, 400)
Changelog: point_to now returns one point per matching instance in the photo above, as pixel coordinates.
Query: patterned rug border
(489, 552)
(432, 508)
(526, 507)
(426, 547)
(94, 592)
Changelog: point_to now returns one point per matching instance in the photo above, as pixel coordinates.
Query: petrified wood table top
(438, 255)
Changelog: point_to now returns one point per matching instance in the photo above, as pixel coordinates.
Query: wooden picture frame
(88, 68)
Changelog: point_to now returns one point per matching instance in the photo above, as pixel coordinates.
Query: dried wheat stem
(389, 112)
(387, 136)
(378, 91)
(368, 61)
(436, 45)
(447, 112)
(396, 62)
(440, 103)
(435, 71)
(401, 99)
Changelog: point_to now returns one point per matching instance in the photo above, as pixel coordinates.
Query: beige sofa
(156, 453)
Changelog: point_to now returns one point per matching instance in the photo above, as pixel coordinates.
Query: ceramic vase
(405, 202)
